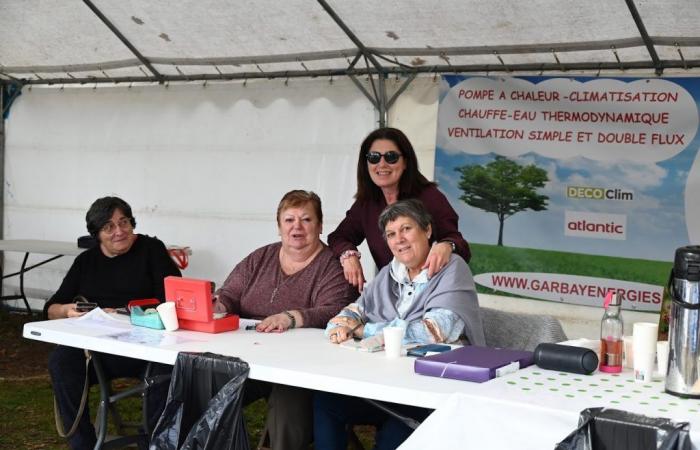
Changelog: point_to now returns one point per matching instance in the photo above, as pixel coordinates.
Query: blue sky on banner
(659, 219)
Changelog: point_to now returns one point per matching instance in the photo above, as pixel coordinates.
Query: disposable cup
(168, 314)
(662, 357)
(393, 337)
(644, 337)
(629, 352)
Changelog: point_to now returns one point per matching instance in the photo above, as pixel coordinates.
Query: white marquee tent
(202, 113)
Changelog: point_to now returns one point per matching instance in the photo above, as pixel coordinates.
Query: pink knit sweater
(257, 288)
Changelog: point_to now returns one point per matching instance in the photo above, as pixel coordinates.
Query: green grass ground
(491, 258)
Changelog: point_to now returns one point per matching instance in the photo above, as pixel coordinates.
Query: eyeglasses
(110, 227)
(391, 157)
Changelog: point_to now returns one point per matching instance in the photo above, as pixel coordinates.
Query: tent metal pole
(124, 40)
(403, 87)
(362, 89)
(2, 177)
(513, 69)
(380, 101)
(658, 65)
(383, 109)
(336, 18)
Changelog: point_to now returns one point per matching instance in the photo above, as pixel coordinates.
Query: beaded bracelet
(349, 254)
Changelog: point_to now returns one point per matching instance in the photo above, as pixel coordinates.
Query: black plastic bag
(204, 407)
(612, 429)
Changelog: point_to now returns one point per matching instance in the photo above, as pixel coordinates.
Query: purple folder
(471, 363)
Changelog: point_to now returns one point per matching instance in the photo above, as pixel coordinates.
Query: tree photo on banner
(569, 187)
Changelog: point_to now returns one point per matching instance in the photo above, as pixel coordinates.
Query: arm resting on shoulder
(445, 225)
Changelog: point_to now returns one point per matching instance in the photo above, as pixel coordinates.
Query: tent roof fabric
(52, 41)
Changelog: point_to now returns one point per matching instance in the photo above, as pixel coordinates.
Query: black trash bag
(612, 429)
(204, 407)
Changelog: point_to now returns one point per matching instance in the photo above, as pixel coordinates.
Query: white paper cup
(629, 352)
(662, 357)
(168, 314)
(393, 338)
(644, 337)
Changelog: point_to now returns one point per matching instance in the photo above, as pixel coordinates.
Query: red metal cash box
(192, 299)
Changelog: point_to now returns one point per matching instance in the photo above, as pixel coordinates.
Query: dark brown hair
(412, 182)
(101, 212)
(299, 198)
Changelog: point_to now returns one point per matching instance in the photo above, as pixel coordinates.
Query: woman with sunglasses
(387, 171)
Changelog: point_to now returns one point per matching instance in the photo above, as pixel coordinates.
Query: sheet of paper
(99, 319)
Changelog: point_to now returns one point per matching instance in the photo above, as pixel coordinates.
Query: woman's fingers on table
(340, 334)
(276, 322)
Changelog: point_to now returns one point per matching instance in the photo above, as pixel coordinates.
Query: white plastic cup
(393, 338)
(644, 335)
(662, 357)
(629, 351)
(168, 314)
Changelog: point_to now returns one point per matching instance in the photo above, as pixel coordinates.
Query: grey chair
(519, 331)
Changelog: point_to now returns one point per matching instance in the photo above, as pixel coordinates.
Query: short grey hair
(412, 208)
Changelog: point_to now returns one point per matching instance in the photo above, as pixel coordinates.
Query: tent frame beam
(546, 48)
(648, 43)
(378, 92)
(594, 67)
(123, 39)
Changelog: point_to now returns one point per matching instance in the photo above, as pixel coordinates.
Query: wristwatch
(452, 244)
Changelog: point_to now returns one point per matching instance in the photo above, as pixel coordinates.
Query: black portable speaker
(566, 358)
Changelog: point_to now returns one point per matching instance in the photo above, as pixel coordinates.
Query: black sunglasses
(390, 157)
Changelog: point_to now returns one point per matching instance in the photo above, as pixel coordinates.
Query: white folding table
(27, 246)
(533, 408)
(179, 254)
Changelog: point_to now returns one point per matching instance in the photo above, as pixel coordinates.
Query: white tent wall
(206, 166)
(200, 166)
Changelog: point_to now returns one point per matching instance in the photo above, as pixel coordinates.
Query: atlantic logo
(598, 193)
(595, 225)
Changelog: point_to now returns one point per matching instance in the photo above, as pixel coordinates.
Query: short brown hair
(412, 208)
(299, 198)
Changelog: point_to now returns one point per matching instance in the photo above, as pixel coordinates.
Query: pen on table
(250, 327)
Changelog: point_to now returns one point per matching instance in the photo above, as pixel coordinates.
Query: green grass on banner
(491, 258)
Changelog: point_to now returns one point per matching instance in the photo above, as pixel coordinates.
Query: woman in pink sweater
(295, 283)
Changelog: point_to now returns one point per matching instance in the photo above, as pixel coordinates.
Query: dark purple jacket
(361, 222)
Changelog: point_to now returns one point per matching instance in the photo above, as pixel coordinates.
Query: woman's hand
(343, 333)
(344, 321)
(61, 311)
(279, 323)
(438, 258)
(352, 269)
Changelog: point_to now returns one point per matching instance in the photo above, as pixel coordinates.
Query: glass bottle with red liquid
(611, 331)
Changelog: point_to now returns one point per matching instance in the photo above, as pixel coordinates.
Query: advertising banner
(567, 188)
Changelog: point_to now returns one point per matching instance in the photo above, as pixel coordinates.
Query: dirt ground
(20, 357)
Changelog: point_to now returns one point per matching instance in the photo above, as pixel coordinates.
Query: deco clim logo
(598, 193)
